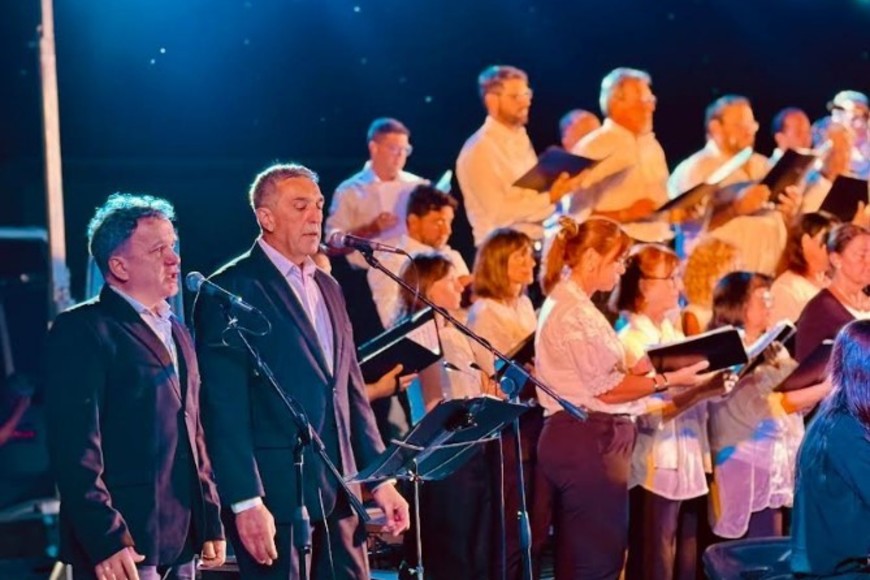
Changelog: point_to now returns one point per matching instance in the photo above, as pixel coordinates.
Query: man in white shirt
(498, 154)
(630, 181)
(791, 129)
(371, 203)
(576, 124)
(757, 232)
(429, 219)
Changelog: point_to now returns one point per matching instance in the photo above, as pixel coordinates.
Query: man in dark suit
(122, 402)
(310, 349)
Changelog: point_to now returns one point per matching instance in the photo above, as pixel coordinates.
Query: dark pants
(587, 464)
(342, 549)
(456, 523)
(663, 534)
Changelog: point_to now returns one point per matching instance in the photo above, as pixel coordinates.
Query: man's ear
(118, 268)
(373, 148)
(266, 219)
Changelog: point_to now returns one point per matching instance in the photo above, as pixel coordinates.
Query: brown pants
(586, 464)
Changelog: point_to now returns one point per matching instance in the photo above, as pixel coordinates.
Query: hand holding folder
(845, 197)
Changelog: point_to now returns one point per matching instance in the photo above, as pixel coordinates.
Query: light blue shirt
(301, 281)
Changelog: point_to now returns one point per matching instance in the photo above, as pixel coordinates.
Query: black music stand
(438, 445)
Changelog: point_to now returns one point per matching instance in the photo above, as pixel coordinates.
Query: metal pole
(59, 274)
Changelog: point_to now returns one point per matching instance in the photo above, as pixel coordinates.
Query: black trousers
(586, 464)
(338, 549)
(663, 534)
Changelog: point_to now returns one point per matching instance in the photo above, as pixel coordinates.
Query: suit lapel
(130, 320)
(275, 285)
(333, 304)
(187, 366)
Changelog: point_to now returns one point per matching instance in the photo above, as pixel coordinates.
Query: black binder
(845, 195)
(722, 348)
(788, 171)
(381, 354)
(553, 162)
(813, 369)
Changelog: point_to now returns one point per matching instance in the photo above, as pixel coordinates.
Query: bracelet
(658, 387)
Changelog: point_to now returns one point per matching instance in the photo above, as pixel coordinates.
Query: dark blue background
(242, 83)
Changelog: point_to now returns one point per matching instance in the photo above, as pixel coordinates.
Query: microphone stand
(306, 436)
(513, 378)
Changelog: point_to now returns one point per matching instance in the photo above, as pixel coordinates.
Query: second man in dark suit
(311, 352)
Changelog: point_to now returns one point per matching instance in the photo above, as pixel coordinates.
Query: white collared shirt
(302, 283)
(503, 325)
(670, 458)
(491, 160)
(362, 197)
(632, 168)
(760, 238)
(578, 354)
(386, 292)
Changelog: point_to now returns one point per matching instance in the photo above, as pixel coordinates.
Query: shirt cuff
(383, 483)
(247, 504)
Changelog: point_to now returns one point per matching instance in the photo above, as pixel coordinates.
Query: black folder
(780, 332)
(709, 187)
(381, 354)
(551, 164)
(723, 348)
(843, 198)
(788, 171)
(813, 369)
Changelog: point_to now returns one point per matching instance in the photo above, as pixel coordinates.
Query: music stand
(439, 445)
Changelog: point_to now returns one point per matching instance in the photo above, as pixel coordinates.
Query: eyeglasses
(526, 94)
(398, 149)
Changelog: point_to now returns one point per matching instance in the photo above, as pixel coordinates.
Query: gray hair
(267, 180)
(613, 82)
(117, 219)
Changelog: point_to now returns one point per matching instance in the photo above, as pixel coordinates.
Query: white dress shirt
(386, 292)
(578, 354)
(670, 458)
(491, 160)
(503, 325)
(754, 445)
(760, 237)
(362, 197)
(632, 168)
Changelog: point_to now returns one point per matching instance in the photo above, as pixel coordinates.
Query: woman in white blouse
(456, 512)
(804, 266)
(754, 431)
(578, 354)
(504, 316)
(672, 455)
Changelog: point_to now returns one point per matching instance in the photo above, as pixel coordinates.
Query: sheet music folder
(813, 369)
(709, 187)
(443, 439)
(843, 198)
(788, 171)
(722, 347)
(381, 354)
(553, 162)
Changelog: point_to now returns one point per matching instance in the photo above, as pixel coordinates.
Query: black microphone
(196, 282)
(339, 240)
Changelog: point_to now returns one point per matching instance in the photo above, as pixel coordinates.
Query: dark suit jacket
(249, 431)
(821, 319)
(117, 442)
